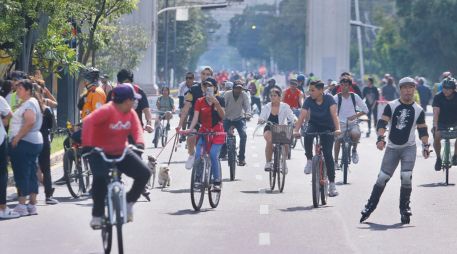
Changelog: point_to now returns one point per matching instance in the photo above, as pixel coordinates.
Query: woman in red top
(108, 128)
(209, 112)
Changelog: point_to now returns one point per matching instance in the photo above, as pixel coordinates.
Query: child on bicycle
(108, 128)
(209, 113)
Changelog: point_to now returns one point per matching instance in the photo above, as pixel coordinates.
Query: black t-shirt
(46, 126)
(320, 116)
(371, 95)
(448, 108)
(140, 105)
(404, 118)
(195, 92)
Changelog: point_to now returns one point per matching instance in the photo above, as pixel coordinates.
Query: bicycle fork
(116, 190)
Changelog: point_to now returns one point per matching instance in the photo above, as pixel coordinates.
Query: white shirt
(183, 88)
(347, 107)
(34, 135)
(5, 109)
(285, 113)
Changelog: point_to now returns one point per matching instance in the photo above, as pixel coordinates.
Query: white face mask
(210, 91)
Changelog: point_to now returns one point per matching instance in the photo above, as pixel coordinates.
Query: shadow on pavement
(298, 209)
(228, 180)
(436, 185)
(190, 212)
(264, 191)
(72, 200)
(342, 184)
(381, 227)
(178, 191)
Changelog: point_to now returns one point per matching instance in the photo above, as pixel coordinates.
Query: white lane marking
(263, 209)
(255, 155)
(253, 147)
(257, 165)
(259, 177)
(264, 238)
(261, 191)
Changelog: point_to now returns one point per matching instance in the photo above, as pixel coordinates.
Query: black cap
(211, 81)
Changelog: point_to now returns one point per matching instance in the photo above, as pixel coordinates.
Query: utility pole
(166, 46)
(359, 41)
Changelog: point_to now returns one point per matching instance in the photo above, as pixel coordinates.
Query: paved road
(252, 220)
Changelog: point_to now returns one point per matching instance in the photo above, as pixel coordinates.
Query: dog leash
(163, 148)
(176, 140)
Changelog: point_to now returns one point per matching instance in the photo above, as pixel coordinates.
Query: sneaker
(130, 211)
(8, 214)
(454, 160)
(355, 157)
(241, 163)
(21, 210)
(337, 166)
(32, 209)
(51, 201)
(308, 167)
(190, 161)
(217, 186)
(96, 223)
(438, 164)
(332, 190)
(61, 181)
(268, 166)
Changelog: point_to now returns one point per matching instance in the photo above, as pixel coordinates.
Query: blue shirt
(320, 116)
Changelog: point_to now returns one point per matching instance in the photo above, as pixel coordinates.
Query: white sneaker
(268, 166)
(309, 167)
(190, 161)
(8, 214)
(96, 223)
(130, 211)
(32, 209)
(355, 157)
(21, 210)
(332, 190)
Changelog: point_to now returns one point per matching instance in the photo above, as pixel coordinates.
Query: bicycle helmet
(449, 83)
(301, 77)
(91, 75)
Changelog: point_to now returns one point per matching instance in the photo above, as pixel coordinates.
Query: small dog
(164, 176)
(152, 165)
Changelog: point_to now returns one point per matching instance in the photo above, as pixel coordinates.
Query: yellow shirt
(94, 100)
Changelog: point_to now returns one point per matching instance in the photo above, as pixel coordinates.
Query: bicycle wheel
(155, 141)
(107, 236)
(446, 157)
(345, 162)
(197, 186)
(119, 221)
(214, 196)
(231, 154)
(324, 186)
(294, 143)
(272, 171)
(73, 174)
(316, 162)
(87, 174)
(282, 169)
(164, 137)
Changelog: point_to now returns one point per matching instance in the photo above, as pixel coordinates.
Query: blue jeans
(214, 156)
(3, 171)
(240, 127)
(24, 162)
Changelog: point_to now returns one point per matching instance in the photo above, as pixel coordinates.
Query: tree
(124, 50)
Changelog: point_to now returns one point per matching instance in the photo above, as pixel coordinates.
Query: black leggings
(44, 160)
(327, 150)
(372, 111)
(132, 166)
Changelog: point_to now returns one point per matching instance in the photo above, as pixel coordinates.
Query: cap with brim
(406, 81)
(210, 81)
(125, 91)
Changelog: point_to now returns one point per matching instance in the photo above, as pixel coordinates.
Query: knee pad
(383, 178)
(406, 177)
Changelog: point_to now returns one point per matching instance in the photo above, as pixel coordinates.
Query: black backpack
(353, 102)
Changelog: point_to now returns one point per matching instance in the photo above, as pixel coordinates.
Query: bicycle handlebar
(116, 160)
(211, 133)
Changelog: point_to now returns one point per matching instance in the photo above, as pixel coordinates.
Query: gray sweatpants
(393, 156)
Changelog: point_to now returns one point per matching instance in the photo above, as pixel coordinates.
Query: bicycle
(231, 149)
(77, 172)
(346, 145)
(161, 131)
(115, 202)
(319, 173)
(201, 175)
(447, 134)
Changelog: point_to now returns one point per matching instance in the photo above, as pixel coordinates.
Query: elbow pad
(382, 124)
(423, 132)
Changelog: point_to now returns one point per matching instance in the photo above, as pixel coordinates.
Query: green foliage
(282, 36)
(123, 50)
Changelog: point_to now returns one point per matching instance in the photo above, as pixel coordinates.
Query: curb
(56, 160)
